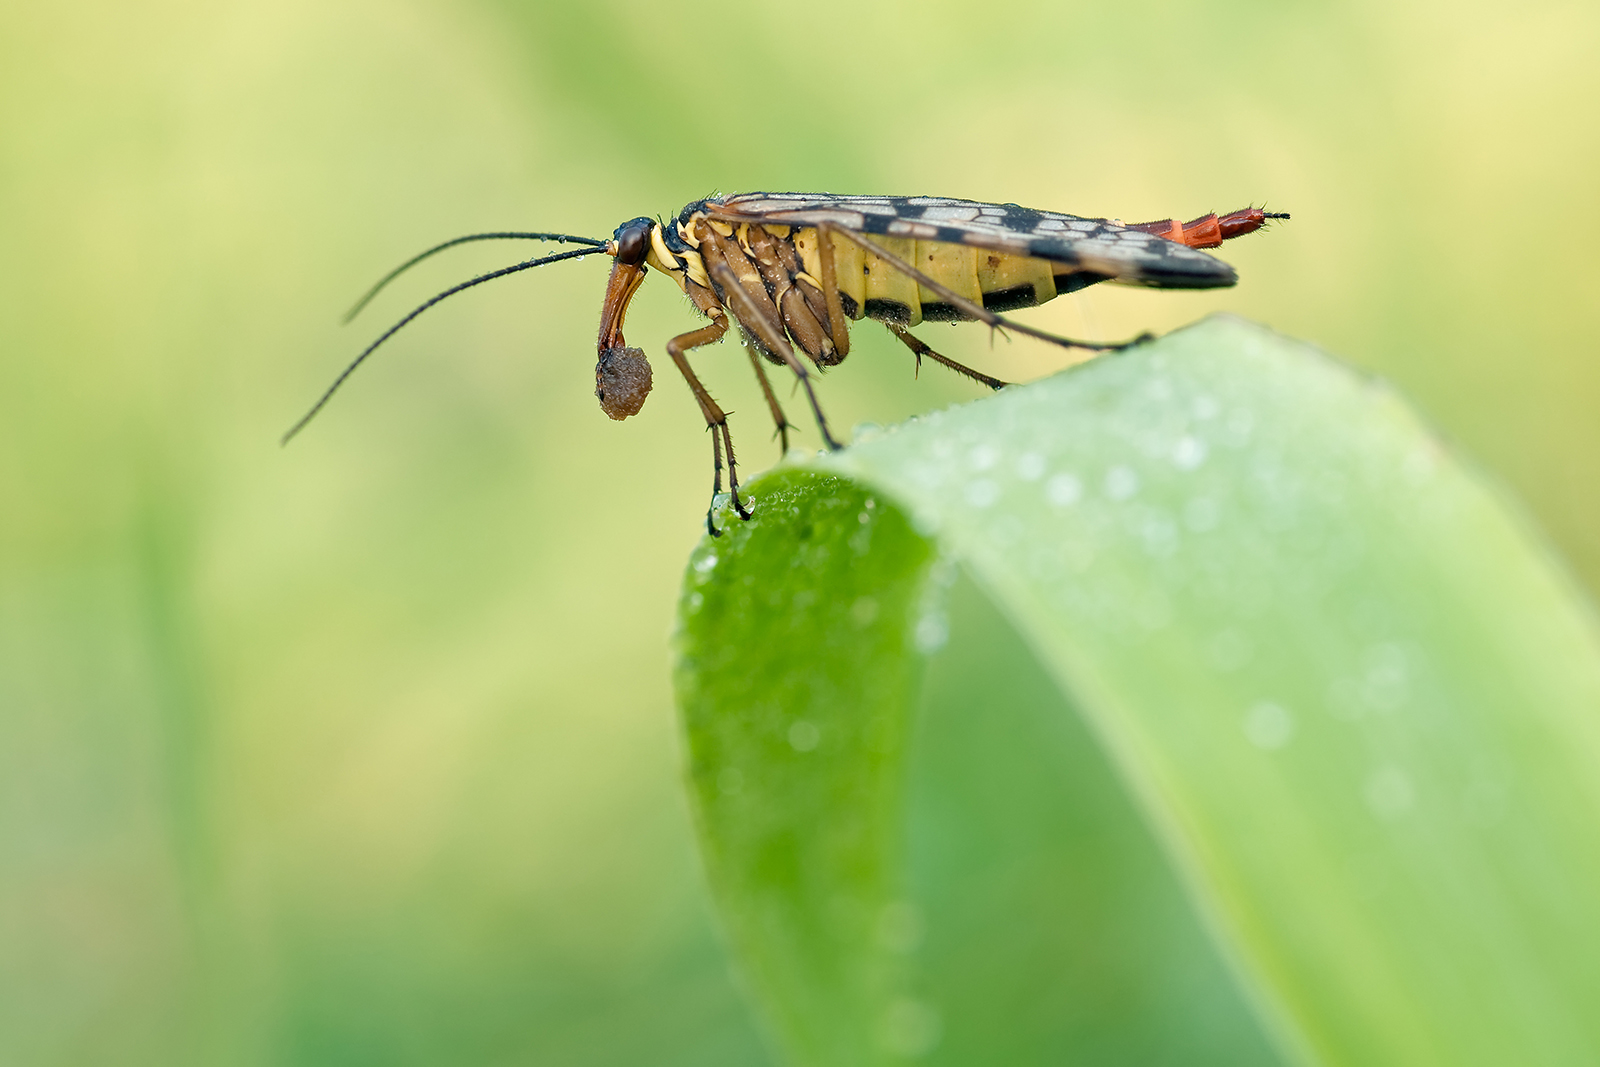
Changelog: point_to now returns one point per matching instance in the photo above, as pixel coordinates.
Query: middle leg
(779, 420)
(770, 333)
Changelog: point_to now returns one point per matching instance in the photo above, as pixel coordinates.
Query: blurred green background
(363, 751)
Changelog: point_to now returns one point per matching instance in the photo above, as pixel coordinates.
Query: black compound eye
(633, 241)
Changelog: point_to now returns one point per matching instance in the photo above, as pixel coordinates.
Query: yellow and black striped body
(978, 251)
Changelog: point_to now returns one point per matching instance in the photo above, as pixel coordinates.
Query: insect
(793, 269)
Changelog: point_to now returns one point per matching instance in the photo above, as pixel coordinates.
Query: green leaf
(1301, 762)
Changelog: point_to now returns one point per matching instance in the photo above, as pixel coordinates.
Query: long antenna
(559, 238)
(391, 331)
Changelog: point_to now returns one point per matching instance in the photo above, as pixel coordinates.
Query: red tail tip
(1246, 220)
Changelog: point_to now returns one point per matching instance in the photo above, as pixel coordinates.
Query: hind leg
(919, 349)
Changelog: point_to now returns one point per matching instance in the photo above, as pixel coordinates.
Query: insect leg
(838, 330)
(716, 479)
(778, 271)
(752, 305)
(770, 333)
(716, 418)
(778, 417)
(920, 349)
(978, 311)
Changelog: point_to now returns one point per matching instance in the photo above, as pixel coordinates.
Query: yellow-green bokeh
(362, 751)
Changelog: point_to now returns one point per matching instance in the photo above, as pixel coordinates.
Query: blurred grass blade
(1335, 676)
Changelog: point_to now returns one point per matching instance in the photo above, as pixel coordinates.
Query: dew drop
(1268, 726)
(1121, 483)
(1189, 453)
(900, 927)
(1389, 793)
(1240, 425)
(864, 611)
(932, 633)
(1229, 650)
(1160, 537)
(804, 736)
(1385, 682)
(1063, 490)
(982, 493)
(910, 1028)
(983, 457)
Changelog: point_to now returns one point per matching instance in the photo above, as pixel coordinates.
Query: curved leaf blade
(1344, 686)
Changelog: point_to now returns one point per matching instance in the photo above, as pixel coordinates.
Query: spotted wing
(1098, 246)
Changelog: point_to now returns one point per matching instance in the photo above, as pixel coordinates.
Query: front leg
(716, 419)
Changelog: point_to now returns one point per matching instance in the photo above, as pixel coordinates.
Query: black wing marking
(1101, 246)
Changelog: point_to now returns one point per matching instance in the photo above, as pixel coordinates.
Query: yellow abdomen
(880, 291)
